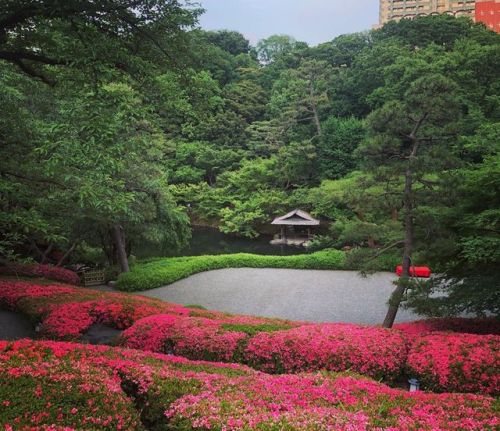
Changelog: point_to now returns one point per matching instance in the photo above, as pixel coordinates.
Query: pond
(211, 241)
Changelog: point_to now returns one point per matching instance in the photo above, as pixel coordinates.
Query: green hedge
(161, 272)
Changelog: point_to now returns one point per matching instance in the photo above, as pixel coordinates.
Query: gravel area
(309, 295)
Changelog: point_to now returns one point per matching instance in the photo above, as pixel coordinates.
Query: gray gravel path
(316, 296)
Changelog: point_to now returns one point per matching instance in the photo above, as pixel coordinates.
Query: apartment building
(487, 11)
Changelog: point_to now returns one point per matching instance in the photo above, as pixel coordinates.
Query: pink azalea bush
(457, 362)
(191, 337)
(444, 362)
(372, 351)
(484, 326)
(38, 270)
(66, 311)
(65, 386)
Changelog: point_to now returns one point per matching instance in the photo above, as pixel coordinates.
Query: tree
(442, 30)
(270, 49)
(36, 36)
(336, 149)
(300, 95)
(230, 41)
(408, 138)
(108, 149)
(465, 225)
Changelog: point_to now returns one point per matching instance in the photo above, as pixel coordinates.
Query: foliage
(120, 120)
(457, 362)
(67, 312)
(481, 326)
(197, 395)
(340, 139)
(45, 271)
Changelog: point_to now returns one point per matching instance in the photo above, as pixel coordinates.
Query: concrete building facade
(486, 11)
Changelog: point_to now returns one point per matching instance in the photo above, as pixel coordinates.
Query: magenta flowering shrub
(457, 362)
(66, 312)
(484, 326)
(38, 270)
(191, 337)
(443, 362)
(372, 351)
(65, 386)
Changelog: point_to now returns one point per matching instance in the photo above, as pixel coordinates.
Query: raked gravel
(308, 295)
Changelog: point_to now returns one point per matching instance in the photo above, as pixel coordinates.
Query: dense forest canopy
(123, 122)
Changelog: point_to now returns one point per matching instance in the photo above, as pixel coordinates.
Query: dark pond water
(211, 241)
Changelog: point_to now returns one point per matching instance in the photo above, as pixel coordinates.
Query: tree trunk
(394, 214)
(397, 295)
(121, 252)
(68, 252)
(314, 108)
(46, 253)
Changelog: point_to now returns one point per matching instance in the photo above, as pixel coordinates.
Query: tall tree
(300, 96)
(409, 138)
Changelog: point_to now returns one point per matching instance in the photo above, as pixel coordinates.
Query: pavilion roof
(296, 218)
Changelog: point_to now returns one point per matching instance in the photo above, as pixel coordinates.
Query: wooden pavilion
(295, 228)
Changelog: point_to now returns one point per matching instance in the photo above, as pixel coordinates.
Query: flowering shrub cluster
(485, 325)
(444, 362)
(64, 386)
(372, 351)
(457, 362)
(68, 311)
(37, 270)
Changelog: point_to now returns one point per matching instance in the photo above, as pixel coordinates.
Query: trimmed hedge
(161, 272)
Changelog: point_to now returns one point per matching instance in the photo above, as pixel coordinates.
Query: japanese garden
(205, 230)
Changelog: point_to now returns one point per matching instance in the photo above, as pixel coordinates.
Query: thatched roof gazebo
(295, 228)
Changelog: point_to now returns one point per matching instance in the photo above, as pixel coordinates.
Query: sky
(311, 21)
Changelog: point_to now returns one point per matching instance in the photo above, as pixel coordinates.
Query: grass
(155, 273)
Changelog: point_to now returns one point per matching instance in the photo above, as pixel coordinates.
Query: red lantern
(415, 271)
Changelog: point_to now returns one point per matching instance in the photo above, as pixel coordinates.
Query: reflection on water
(211, 241)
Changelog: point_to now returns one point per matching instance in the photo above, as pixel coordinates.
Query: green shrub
(252, 330)
(160, 272)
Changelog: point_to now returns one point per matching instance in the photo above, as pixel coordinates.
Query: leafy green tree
(297, 162)
(230, 41)
(336, 149)
(343, 50)
(464, 223)
(442, 30)
(270, 49)
(91, 36)
(109, 150)
(246, 98)
(300, 95)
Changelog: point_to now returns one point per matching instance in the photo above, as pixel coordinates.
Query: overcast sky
(311, 21)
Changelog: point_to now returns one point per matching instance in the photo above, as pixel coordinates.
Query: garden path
(308, 295)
